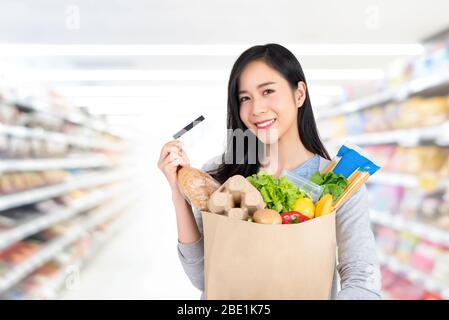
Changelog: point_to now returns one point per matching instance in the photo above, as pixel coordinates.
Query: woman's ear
(300, 94)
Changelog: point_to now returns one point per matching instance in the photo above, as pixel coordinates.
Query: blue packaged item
(351, 158)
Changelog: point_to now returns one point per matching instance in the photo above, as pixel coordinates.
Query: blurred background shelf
(55, 246)
(85, 181)
(62, 279)
(35, 225)
(421, 229)
(37, 133)
(404, 180)
(401, 92)
(403, 122)
(414, 275)
(77, 118)
(408, 137)
(66, 176)
(80, 162)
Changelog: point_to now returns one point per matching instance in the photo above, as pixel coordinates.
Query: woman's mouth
(265, 124)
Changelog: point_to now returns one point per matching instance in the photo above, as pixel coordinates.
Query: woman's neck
(286, 154)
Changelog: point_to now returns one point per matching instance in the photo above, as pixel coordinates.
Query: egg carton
(236, 198)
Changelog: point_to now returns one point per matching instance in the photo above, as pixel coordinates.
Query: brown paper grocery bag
(246, 260)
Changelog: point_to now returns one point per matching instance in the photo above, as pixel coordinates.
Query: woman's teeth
(265, 124)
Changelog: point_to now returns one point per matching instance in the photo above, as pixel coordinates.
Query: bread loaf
(196, 186)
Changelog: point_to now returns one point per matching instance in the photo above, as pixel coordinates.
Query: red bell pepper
(293, 217)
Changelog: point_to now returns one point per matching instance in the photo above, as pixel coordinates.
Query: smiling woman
(268, 95)
(268, 99)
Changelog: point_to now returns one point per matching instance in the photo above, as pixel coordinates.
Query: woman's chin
(268, 136)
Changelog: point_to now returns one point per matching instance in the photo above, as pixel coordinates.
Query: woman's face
(268, 105)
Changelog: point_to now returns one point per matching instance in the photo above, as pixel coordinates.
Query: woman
(268, 95)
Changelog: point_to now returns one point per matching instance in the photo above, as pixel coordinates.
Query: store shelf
(50, 289)
(79, 141)
(407, 137)
(401, 179)
(395, 179)
(58, 282)
(357, 105)
(46, 220)
(17, 273)
(420, 229)
(82, 181)
(78, 162)
(413, 275)
(37, 260)
(75, 118)
(412, 87)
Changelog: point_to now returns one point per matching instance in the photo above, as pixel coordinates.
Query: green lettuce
(279, 194)
(333, 184)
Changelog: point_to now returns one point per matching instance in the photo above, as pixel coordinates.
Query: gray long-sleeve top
(357, 265)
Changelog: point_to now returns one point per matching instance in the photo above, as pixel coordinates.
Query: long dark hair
(282, 60)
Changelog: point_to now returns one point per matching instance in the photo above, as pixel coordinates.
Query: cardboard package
(246, 260)
(236, 198)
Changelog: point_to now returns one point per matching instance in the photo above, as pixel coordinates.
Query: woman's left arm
(358, 263)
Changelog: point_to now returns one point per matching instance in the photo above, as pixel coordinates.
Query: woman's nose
(259, 107)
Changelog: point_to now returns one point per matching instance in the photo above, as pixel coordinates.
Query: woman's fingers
(168, 147)
(172, 160)
(184, 157)
(171, 147)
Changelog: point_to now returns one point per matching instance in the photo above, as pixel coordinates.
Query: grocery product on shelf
(387, 239)
(425, 255)
(14, 217)
(404, 289)
(50, 111)
(391, 197)
(28, 132)
(406, 245)
(19, 252)
(434, 60)
(16, 182)
(416, 112)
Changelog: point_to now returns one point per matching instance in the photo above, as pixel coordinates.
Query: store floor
(140, 262)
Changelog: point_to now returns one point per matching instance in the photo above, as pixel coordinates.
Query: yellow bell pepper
(305, 206)
(324, 205)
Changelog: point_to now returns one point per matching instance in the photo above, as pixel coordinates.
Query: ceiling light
(176, 75)
(26, 50)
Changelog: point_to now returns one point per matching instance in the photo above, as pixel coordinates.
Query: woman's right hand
(172, 156)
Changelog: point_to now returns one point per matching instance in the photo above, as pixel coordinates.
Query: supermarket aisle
(87, 100)
(139, 263)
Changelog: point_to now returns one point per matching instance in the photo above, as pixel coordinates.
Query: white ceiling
(212, 22)
(230, 21)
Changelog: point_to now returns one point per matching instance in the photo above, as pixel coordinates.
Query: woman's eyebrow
(259, 86)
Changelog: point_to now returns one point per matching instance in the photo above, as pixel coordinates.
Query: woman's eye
(268, 91)
(243, 99)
